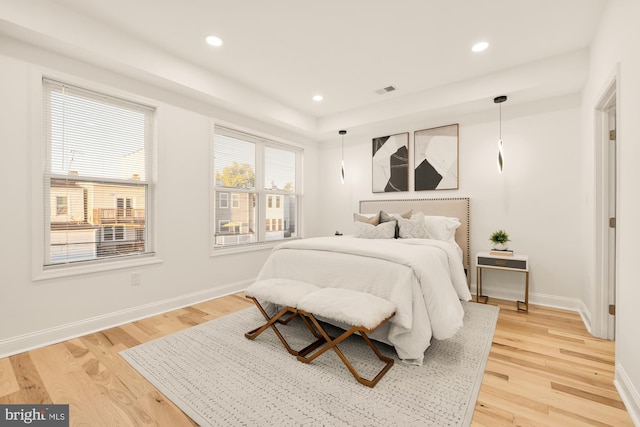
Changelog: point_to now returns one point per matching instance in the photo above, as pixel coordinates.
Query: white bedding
(424, 279)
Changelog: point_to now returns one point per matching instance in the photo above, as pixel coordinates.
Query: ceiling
(277, 54)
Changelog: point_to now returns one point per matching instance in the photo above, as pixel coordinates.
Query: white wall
(617, 46)
(35, 313)
(536, 199)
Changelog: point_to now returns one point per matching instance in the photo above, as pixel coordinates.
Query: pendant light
(499, 100)
(342, 133)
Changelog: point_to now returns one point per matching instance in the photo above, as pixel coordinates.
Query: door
(611, 201)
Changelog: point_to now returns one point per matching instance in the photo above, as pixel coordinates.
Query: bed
(422, 274)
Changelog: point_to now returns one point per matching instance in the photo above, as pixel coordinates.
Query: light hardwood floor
(544, 370)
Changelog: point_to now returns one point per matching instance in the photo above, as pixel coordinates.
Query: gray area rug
(220, 378)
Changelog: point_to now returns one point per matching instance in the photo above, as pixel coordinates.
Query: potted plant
(499, 240)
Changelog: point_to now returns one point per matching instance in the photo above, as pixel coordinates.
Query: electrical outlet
(135, 279)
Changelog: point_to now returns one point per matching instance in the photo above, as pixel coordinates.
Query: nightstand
(517, 262)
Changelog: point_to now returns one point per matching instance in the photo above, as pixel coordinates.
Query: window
(111, 233)
(107, 234)
(61, 205)
(255, 170)
(119, 233)
(124, 207)
(98, 177)
(139, 235)
(223, 201)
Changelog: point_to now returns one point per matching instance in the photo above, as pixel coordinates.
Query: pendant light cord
(500, 105)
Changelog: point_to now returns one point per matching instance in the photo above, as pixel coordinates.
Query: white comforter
(423, 278)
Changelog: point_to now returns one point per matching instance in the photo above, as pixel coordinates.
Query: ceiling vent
(387, 89)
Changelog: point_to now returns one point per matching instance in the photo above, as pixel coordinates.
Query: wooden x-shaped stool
(286, 293)
(364, 312)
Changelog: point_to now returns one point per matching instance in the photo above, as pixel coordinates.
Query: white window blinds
(99, 175)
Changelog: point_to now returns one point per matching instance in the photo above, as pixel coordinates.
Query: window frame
(40, 194)
(111, 233)
(261, 140)
(226, 201)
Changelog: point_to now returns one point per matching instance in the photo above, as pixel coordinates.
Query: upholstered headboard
(453, 207)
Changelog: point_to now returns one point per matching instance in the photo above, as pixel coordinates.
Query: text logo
(34, 415)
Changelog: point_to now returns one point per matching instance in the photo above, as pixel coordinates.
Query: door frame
(607, 102)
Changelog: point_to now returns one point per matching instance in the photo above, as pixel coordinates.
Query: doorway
(606, 163)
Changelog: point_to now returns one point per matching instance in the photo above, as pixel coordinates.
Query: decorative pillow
(442, 227)
(385, 217)
(373, 219)
(415, 227)
(386, 230)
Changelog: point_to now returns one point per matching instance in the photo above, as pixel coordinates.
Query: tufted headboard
(453, 207)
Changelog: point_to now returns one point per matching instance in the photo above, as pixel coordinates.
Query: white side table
(517, 262)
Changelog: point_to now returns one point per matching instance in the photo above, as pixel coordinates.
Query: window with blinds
(98, 178)
(256, 198)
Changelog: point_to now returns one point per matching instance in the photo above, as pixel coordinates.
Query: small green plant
(499, 236)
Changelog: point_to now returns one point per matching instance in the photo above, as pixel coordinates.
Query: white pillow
(442, 227)
(373, 219)
(386, 230)
(414, 227)
(384, 217)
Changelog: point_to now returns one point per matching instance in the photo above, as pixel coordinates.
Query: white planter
(500, 246)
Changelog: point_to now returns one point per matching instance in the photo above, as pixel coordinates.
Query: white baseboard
(585, 313)
(573, 304)
(30, 341)
(628, 393)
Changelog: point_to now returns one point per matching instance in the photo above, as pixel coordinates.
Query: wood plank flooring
(544, 370)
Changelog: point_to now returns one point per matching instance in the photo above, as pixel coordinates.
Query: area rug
(220, 378)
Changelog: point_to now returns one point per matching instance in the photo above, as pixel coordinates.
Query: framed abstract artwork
(436, 158)
(390, 163)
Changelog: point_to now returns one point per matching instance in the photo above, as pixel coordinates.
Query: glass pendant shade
(499, 100)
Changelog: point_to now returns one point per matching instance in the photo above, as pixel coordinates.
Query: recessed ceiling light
(479, 47)
(318, 98)
(214, 41)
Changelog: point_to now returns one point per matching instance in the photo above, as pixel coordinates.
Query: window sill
(76, 270)
(248, 248)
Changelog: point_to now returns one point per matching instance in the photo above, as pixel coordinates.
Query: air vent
(387, 89)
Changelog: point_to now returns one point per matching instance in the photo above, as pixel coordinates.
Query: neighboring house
(73, 237)
(235, 218)
(90, 220)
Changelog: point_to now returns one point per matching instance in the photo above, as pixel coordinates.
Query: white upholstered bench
(362, 311)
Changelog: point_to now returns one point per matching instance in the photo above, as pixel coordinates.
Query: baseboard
(585, 314)
(573, 304)
(30, 341)
(628, 393)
